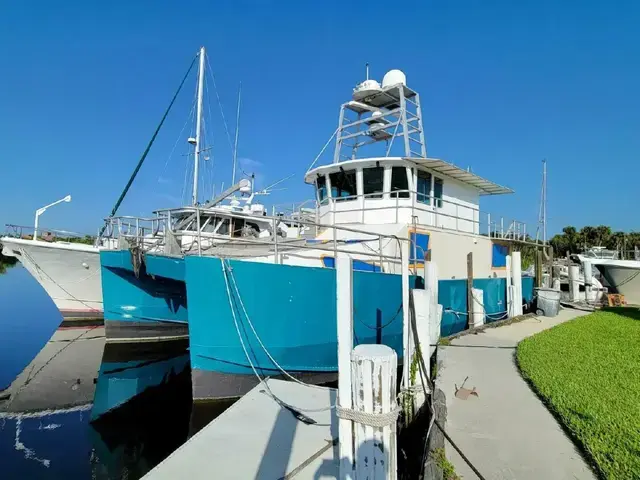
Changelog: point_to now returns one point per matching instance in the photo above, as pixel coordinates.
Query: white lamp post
(41, 210)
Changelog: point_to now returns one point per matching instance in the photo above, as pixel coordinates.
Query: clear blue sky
(503, 85)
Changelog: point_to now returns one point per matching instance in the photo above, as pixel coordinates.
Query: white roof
(436, 165)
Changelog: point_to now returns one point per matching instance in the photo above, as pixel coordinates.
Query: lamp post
(41, 210)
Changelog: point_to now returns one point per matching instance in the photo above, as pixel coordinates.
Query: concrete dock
(257, 438)
(61, 375)
(506, 431)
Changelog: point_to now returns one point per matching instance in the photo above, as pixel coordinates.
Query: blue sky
(503, 84)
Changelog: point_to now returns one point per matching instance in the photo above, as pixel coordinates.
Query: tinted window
(437, 191)
(424, 187)
(399, 182)
(321, 185)
(372, 181)
(343, 184)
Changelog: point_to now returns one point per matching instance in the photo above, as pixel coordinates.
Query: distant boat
(623, 276)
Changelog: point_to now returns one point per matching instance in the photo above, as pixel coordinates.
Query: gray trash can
(548, 301)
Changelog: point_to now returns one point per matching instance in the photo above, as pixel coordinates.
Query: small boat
(622, 276)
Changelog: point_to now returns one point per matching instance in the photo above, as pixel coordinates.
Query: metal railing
(432, 212)
(376, 246)
(45, 234)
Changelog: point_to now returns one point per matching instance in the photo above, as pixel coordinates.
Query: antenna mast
(235, 145)
(196, 160)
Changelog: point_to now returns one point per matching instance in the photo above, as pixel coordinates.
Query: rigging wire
(224, 120)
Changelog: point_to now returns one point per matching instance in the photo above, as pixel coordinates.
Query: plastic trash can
(548, 301)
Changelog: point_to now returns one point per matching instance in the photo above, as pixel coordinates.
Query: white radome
(394, 77)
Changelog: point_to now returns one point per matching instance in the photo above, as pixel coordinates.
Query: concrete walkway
(505, 431)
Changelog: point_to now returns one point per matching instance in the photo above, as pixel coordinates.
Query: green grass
(588, 373)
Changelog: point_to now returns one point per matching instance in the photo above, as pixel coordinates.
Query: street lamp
(41, 210)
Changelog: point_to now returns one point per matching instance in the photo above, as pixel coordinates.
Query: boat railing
(427, 210)
(26, 232)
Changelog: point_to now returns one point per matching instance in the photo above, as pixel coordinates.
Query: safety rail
(46, 234)
(376, 245)
(430, 211)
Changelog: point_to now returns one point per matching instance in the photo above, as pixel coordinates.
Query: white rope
(377, 420)
(246, 353)
(244, 310)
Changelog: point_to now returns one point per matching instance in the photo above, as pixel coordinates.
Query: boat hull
(140, 307)
(293, 312)
(625, 279)
(69, 273)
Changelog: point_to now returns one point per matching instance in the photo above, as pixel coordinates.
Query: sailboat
(70, 273)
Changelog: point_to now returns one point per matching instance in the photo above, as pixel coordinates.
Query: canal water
(76, 409)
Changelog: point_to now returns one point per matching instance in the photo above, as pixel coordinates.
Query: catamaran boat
(266, 306)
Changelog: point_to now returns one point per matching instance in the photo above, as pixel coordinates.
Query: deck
(257, 438)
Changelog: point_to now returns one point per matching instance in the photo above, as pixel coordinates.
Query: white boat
(622, 275)
(68, 272)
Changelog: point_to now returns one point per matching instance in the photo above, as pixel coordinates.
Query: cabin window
(372, 182)
(321, 185)
(437, 191)
(399, 183)
(343, 185)
(223, 227)
(424, 187)
(238, 225)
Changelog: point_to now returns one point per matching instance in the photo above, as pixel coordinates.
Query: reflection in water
(141, 409)
(140, 414)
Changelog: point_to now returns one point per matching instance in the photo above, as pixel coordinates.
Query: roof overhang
(436, 165)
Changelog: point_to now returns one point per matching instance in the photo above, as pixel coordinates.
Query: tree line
(573, 240)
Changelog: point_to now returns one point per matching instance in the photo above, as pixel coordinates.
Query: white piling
(344, 305)
(516, 277)
(435, 312)
(588, 278)
(406, 325)
(574, 282)
(556, 284)
(477, 307)
(509, 282)
(424, 317)
(373, 371)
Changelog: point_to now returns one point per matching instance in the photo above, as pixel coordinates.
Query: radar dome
(365, 89)
(394, 77)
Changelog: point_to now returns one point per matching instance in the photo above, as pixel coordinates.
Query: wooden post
(344, 306)
(539, 282)
(373, 371)
(550, 264)
(469, 288)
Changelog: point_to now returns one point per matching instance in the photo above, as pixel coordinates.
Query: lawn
(588, 373)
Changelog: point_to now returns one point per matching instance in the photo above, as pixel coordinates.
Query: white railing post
(275, 240)
(509, 282)
(489, 224)
(406, 326)
(344, 310)
(516, 275)
(373, 371)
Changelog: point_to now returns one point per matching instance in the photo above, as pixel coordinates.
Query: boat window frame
(337, 181)
(399, 192)
(376, 193)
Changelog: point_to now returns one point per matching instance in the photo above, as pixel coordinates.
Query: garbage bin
(548, 301)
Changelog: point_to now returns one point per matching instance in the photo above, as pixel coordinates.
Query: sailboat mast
(196, 156)
(544, 201)
(235, 145)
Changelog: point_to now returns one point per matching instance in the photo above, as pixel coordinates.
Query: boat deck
(259, 439)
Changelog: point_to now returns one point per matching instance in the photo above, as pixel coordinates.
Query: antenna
(367, 70)
(235, 145)
(542, 214)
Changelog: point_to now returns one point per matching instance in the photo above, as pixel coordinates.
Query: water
(79, 410)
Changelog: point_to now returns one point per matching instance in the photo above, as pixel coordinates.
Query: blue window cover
(358, 265)
(419, 247)
(499, 256)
